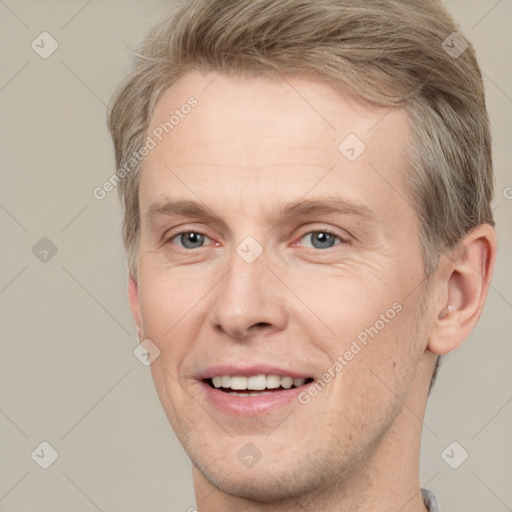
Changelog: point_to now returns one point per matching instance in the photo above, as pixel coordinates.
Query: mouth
(255, 385)
(253, 391)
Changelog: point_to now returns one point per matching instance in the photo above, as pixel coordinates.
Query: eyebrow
(301, 207)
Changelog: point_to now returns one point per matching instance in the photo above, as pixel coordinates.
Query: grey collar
(429, 498)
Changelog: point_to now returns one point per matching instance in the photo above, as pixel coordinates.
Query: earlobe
(133, 299)
(467, 275)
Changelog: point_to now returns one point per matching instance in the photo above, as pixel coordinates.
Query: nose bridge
(248, 298)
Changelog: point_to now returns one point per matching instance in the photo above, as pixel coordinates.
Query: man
(306, 189)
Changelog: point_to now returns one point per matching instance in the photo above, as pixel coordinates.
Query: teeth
(298, 382)
(250, 393)
(286, 382)
(238, 382)
(255, 383)
(259, 382)
(273, 381)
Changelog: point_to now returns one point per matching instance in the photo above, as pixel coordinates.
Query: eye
(189, 239)
(322, 239)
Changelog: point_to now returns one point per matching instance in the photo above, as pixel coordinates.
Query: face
(280, 277)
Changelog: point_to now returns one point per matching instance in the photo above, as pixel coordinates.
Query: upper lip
(249, 371)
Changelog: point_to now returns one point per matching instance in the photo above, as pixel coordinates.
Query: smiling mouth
(257, 385)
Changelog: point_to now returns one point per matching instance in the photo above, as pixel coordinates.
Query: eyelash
(324, 231)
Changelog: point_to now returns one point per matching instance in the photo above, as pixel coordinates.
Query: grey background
(67, 369)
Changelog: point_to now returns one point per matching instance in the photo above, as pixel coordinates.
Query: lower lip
(250, 405)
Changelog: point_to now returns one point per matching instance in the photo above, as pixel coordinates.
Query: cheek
(162, 305)
(174, 307)
(166, 298)
(347, 302)
(368, 319)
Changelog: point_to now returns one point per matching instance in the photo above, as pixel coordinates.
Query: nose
(249, 300)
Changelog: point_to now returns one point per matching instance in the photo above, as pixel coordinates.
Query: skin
(249, 147)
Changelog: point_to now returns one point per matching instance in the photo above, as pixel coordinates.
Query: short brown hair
(386, 52)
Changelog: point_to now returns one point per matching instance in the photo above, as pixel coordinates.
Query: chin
(262, 485)
(270, 479)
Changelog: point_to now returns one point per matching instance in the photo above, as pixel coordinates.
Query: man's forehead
(296, 97)
(244, 138)
(259, 122)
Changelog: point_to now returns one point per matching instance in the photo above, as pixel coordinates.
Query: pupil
(192, 240)
(325, 239)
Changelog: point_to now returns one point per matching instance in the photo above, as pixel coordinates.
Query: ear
(465, 280)
(133, 299)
